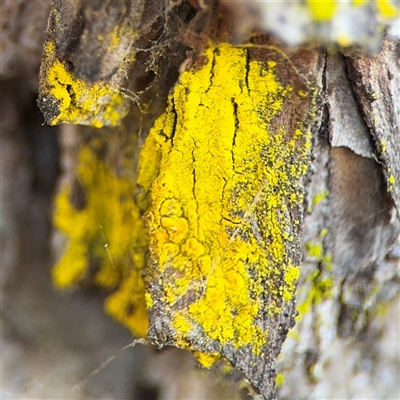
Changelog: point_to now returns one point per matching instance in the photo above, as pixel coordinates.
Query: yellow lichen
(280, 379)
(319, 197)
(324, 232)
(322, 10)
(326, 10)
(108, 230)
(291, 278)
(391, 179)
(81, 102)
(315, 250)
(321, 282)
(320, 289)
(387, 8)
(343, 40)
(221, 188)
(327, 262)
(207, 360)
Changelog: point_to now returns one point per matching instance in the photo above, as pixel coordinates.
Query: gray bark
(345, 345)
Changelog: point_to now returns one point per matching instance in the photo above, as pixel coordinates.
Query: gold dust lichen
(320, 288)
(224, 185)
(323, 232)
(321, 280)
(207, 360)
(347, 23)
(67, 99)
(315, 250)
(391, 180)
(322, 10)
(280, 379)
(317, 199)
(326, 10)
(109, 231)
(387, 8)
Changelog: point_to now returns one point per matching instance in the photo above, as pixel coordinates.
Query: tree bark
(345, 342)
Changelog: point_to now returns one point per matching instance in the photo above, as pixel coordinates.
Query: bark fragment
(350, 224)
(376, 83)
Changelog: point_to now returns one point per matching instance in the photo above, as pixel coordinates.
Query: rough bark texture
(345, 343)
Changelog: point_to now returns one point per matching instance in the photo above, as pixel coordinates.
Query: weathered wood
(351, 225)
(376, 83)
(349, 284)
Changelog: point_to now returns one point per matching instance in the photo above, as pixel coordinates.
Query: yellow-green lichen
(324, 232)
(280, 379)
(347, 23)
(320, 281)
(359, 3)
(207, 360)
(343, 40)
(327, 9)
(387, 8)
(317, 199)
(109, 232)
(315, 250)
(391, 179)
(320, 289)
(219, 186)
(222, 185)
(322, 10)
(327, 262)
(80, 102)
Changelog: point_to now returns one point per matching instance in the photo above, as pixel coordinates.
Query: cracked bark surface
(346, 341)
